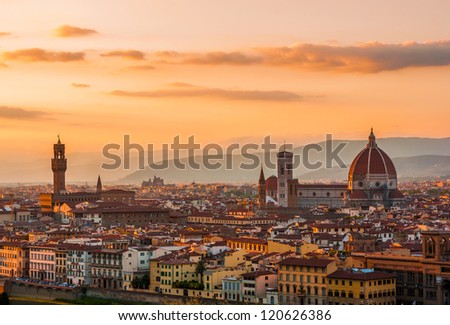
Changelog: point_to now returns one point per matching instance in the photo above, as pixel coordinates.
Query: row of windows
(361, 283)
(296, 300)
(47, 276)
(287, 278)
(345, 294)
(314, 194)
(232, 286)
(9, 255)
(45, 257)
(42, 266)
(298, 268)
(298, 289)
(109, 273)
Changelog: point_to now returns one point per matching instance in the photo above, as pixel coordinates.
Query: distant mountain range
(413, 157)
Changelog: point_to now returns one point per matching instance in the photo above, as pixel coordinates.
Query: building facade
(302, 281)
(361, 287)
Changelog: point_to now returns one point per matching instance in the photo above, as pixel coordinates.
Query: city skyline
(274, 154)
(224, 72)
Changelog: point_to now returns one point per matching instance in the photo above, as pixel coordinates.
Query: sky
(223, 71)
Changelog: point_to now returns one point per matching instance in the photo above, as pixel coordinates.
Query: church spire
(262, 190)
(99, 184)
(262, 179)
(372, 143)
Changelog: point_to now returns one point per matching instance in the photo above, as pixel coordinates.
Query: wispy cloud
(231, 58)
(17, 113)
(72, 31)
(126, 54)
(80, 85)
(177, 90)
(2, 34)
(144, 67)
(365, 58)
(37, 55)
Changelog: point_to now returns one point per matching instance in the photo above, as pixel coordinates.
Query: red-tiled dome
(372, 160)
(396, 194)
(272, 183)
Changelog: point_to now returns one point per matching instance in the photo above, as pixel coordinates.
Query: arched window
(429, 247)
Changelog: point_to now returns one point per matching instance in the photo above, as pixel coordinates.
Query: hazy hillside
(428, 159)
(414, 157)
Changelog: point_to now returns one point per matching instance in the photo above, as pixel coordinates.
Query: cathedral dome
(372, 161)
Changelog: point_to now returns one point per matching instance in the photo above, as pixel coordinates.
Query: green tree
(200, 268)
(4, 299)
(145, 281)
(136, 283)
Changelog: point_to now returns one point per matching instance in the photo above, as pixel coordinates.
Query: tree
(145, 281)
(4, 299)
(200, 268)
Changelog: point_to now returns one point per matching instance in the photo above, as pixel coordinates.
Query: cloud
(2, 34)
(16, 113)
(231, 58)
(369, 57)
(144, 67)
(40, 55)
(72, 31)
(126, 54)
(178, 90)
(77, 85)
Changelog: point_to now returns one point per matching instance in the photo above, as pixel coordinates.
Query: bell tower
(59, 167)
(262, 190)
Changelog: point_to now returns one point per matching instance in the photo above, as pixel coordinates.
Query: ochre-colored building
(248, 244)
(302, 281)
(361, 287)
(14, 259)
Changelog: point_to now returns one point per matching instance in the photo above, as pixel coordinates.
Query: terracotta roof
(396, 194)
(272, 183)
(358, 194)
(372, 160)
(257, 274)
(359, 275)
(315, 262)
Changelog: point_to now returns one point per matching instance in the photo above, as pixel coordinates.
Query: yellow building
(250, 244)
(14, 259)
(234, 258)
(360, 287)
(303, 280)
(176, 270)
(212, 279)
(302, 248)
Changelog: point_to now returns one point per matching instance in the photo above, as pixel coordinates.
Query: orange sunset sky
(222, 70)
